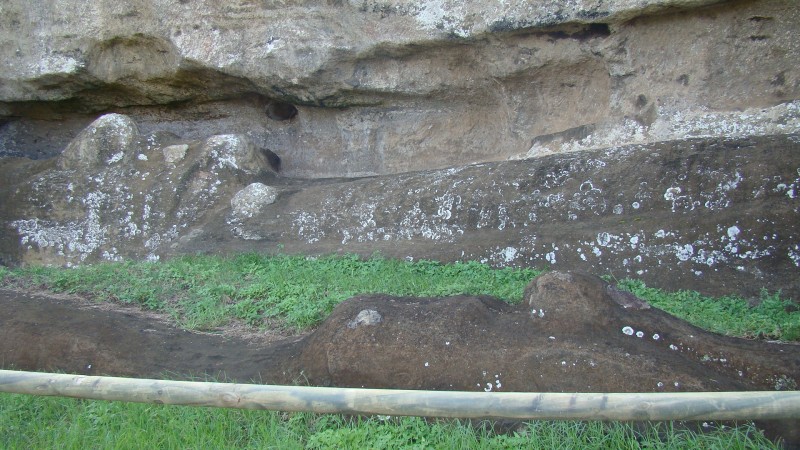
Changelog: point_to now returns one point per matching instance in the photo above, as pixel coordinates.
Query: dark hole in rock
(273, 159)
(598, 30)
(281, 111)
(779, 80)
(641, 101)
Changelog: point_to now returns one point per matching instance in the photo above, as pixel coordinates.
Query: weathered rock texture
(718, 215)
(116, 193)
(158, 127)
(388, 86)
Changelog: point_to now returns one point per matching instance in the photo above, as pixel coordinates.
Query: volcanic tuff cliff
(393, 86)
(144, 127)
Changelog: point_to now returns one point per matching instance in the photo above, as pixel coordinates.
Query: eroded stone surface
(110, 139)
(387, 87)
(717, 215)
(252, 199)
(116, 194)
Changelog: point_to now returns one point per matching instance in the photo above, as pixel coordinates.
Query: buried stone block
(580, 339)
(109, 139)
(251, 199)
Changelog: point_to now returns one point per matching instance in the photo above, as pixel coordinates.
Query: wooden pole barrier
(509, 405)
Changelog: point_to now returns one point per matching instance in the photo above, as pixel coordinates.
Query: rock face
(651, 138)
(377, 87)
(116, 193)
(718, 215)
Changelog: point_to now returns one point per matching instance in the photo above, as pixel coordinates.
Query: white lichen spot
(656, 337)
(671, 194)
(794, 254)
(509, 254)
(115, 158)
(141, 157)
(308, 227)
(635, 205)
(673, 347)
(733, 232)
(627, 330)
(639, 334)
(685, 252)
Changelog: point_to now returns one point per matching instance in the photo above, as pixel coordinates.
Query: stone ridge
(718, 215)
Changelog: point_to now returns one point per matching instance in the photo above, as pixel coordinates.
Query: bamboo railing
(764, 405)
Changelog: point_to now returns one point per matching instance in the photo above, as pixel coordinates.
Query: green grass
(771, 318)
(47, 422)
(298, 292)
(207, 291)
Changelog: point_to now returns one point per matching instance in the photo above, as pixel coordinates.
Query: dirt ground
(41, 331)
(571, 333)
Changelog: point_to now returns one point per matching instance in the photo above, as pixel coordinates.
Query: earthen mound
(572, 332)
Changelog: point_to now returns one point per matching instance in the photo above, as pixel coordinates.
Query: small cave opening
(278, 110)
(273, 159)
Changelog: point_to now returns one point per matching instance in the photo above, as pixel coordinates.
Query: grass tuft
(771, 318)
